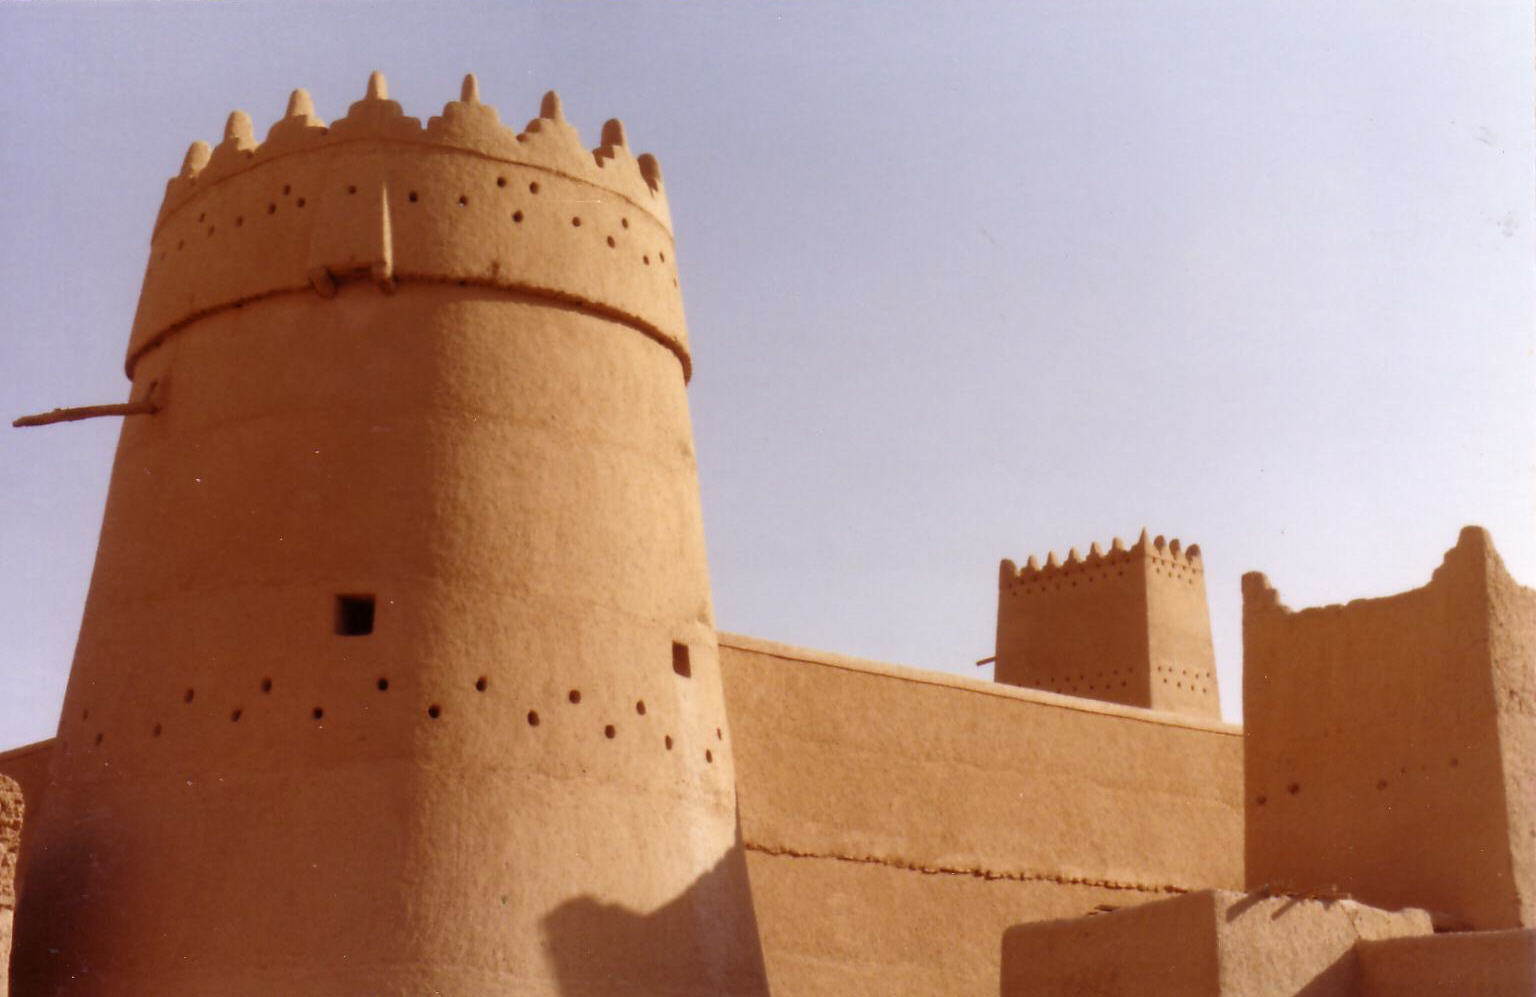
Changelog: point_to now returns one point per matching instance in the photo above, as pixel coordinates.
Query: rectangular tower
(1128, 626)
(1390, 746)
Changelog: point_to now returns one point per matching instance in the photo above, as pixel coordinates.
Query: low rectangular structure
(897, 821)
(1213, 943)
(1480, 963)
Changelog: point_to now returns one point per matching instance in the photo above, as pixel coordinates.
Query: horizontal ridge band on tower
(377, 196)
(1158, 548)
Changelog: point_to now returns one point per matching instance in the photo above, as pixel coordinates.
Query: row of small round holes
(1381, 784)
(413, 197)
(1030, 588)
(1178, 683)
(434, 711)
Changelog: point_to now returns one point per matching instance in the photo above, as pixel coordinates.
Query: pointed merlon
(1117, 544)
(613, 133)
(1174, 547)
(300, 105)
(650, 169)
(1193, 553)
(1144, 541)
(378, 89)
(1032, 564)
(1072, 556)
(550, 108)
(1160, 543)
(1050, 560)
(1006, 572)
(469, 91)
(238, 129)
(197, 157)
(1094, 551)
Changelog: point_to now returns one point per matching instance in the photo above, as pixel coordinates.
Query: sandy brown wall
(897, 821)
(1374, 758)
(1481, 963)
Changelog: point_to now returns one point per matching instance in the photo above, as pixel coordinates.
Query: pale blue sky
(964, 281)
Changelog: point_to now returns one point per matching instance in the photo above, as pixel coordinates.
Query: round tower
(398, 673)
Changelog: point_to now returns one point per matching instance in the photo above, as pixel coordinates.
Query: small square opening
(680, 663)
(354, 615)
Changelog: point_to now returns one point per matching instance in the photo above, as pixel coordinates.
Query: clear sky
(964, 280)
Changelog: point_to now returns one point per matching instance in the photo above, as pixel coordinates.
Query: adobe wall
(897, 821)
(12, 811)
(1127, 625)
(1390, 742)
(27, 766)
(1214, 943)
(1481, 963)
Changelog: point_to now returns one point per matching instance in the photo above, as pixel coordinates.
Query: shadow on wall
(704, 943)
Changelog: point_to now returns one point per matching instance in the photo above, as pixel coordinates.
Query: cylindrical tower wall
(398, 670)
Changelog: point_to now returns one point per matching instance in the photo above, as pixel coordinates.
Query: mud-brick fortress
(398, 673)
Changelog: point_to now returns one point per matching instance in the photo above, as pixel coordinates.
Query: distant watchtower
(1125, 625)
(398, 669)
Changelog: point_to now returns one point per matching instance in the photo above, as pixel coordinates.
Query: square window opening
(354, 615)
(680, 663)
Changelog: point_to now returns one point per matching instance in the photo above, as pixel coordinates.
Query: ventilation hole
(181, 244)
(680, 662)
(668, 741)
(662, 257)
(301, 202)
(501, 181)
(287, 189)
(611, 243)
(411, 197)
(533, 718)
(624, 222)
(640, 707)
(210, 230)
(235, 715)
(646, 260)
(188, 697)
(202, 216)
(533, 188)
(1262, 800)
(709, 756)
(85, 715)
(382, 684)
(434, 711)
(1455, 763)
(271, 209)
(318, 713)
(354, 615)
(239, 220)
(610, 732)
(576, 222)
(482, 683)
(1381, 784)
(99, 736)
(719, 735)
(1293, 788)
(351, 188)
(156, 731)
(463, 200)
(574, 696)
(517, 216)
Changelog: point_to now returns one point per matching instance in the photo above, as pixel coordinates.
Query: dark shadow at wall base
(704, 943)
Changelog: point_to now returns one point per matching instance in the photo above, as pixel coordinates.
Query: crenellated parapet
(378, 196)
(1167, 553)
